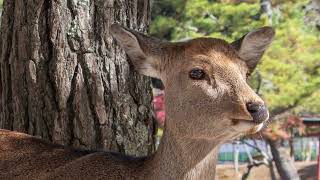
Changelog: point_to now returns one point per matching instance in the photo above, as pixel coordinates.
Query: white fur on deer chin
(246, 126)
(259, 127)
(255, 129)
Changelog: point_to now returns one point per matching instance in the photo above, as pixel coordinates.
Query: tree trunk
(64, 78)
(312, 13)
(283, 161)
(265, 7)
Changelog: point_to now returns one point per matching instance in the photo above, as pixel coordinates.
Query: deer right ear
(142, 50)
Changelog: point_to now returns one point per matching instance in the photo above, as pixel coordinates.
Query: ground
(307, 171)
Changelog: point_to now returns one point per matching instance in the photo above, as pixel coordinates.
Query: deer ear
(251, 46)
(143, 51)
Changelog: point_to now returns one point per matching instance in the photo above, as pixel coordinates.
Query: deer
(208, 102)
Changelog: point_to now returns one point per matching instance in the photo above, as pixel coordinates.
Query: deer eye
(197, 74)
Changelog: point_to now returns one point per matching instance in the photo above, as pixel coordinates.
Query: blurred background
(287, 78)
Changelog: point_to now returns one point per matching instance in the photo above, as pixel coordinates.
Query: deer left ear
(251, 47)
(145, 52)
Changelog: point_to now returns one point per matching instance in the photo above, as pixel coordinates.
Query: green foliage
(204, 18)
(290, 68)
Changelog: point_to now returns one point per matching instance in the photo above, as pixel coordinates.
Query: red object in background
(158, 105)
(158, 102)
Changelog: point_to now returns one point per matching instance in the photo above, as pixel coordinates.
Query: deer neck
(185, 158)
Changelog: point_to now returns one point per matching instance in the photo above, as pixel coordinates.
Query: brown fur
(200, 114)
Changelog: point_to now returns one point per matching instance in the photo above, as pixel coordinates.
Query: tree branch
(281, 110)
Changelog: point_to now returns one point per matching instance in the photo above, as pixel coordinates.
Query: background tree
(64, 78)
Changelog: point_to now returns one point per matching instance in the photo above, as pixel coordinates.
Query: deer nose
(258, 111)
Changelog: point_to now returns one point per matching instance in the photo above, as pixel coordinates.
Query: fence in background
(305, 149)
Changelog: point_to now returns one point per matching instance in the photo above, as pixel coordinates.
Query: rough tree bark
(64, 78)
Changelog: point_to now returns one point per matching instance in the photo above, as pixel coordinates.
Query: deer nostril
(253, 107)
(258, 111)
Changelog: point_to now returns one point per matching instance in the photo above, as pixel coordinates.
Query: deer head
(205, 79)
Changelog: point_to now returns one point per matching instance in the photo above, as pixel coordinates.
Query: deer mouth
(249, 126)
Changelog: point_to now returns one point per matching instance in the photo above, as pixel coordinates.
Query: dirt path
(307, 171)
